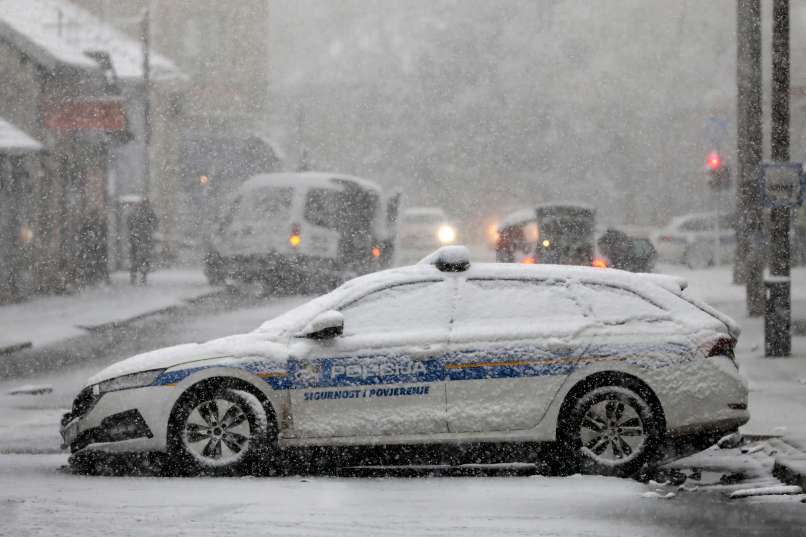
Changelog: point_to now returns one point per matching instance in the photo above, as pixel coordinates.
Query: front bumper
(125, 420)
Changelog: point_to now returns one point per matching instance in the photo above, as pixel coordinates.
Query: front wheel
(219, 432)
(612, 430)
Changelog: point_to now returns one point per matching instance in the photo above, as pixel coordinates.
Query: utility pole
(145, 37)
(777, 321)
(749, 263)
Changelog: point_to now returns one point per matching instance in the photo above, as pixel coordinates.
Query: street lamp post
(145, 38)
(777, 335)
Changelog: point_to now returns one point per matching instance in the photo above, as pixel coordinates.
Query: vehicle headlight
(446, 234)
(125, 382)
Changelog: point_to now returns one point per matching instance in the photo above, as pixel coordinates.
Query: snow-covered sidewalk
(50, 319)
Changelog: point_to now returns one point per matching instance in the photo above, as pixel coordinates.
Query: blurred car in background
(423, 229)
(627, 249)
(690, 239)
(567, 235)
(516, 237)
(290, 229)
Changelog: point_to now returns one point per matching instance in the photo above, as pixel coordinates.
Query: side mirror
(326, 325)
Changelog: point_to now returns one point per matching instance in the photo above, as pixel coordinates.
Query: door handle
(559, 347)
(422, 353)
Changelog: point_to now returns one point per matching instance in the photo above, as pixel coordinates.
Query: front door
(384, 376)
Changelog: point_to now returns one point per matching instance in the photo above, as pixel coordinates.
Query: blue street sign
(781, 184)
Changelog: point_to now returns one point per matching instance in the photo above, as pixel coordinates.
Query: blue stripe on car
(454, 366)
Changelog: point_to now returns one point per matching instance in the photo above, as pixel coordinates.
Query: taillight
(599, 262)
(528, 261)
(295, 239)
(376, 251)
(724, 346)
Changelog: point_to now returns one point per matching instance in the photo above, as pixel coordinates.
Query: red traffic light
(713, 161)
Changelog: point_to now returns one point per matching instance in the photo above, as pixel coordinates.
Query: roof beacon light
(449, 259)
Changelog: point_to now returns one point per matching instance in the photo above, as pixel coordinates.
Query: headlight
(125, 382)
(446, 234)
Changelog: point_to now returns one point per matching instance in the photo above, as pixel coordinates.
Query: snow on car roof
(13, 140)
(424, 211)
(564, 204)
(304, 179)
(54, 32)
(522, 216)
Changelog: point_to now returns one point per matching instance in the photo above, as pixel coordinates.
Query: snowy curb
(180, 303)
(139, 317)
(790, 462)
(10, 349)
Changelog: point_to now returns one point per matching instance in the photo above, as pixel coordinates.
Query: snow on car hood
(241, 345)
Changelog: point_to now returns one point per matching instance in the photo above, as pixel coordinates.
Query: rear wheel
(219, 432)
(611, 430)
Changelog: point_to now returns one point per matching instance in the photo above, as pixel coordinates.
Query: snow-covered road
(38, 498)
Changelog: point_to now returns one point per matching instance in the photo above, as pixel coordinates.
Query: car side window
(483, 302)
(698, 224)
(611, 304)
(410, 307)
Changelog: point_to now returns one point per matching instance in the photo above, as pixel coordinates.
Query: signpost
(782, 186)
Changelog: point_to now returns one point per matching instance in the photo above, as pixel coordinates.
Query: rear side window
(610, 304)
(484, 303)
(265, 204)
(698, 224)
(323, 207)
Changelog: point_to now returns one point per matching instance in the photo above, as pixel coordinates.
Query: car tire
(219, 432)
(699, 255)
(611, 430)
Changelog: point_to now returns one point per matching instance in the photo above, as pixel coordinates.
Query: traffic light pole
(749, 263)
(777, 320)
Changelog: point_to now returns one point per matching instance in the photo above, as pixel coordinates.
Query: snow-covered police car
(614, 366)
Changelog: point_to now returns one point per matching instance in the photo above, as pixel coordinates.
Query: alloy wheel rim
(612, 432)
(217, 431)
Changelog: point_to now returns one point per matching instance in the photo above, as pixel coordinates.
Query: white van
(288, 228)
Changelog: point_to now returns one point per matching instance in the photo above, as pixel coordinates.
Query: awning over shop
(15, 142)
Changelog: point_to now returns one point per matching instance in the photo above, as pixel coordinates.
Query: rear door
(511, 348)
(384, 376)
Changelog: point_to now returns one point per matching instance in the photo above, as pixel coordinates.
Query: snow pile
(31, 389)
(766, 491)
(658, 495)
(13, 140)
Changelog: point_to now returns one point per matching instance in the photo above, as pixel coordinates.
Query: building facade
(20, 175)
(71, 82)
(223, 49)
